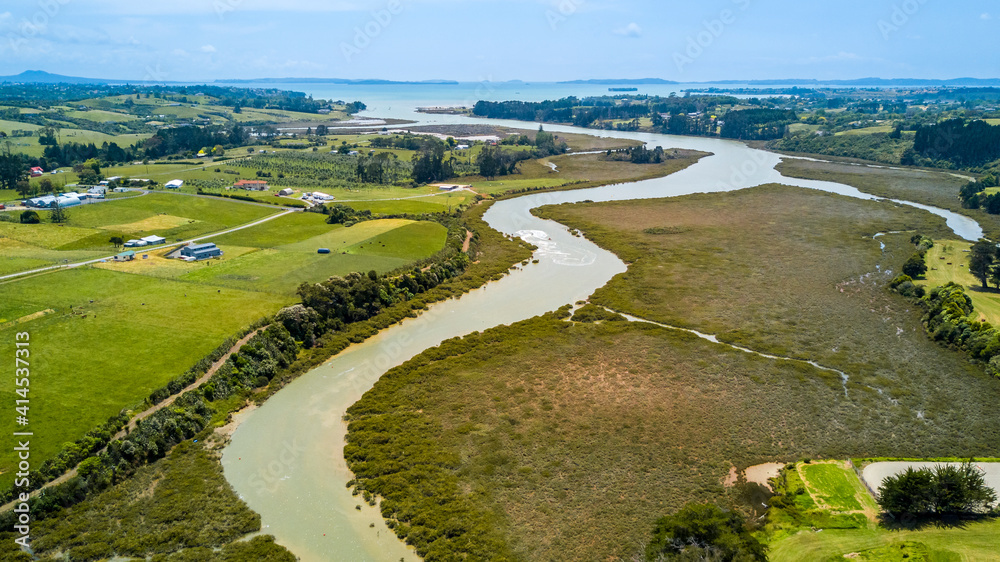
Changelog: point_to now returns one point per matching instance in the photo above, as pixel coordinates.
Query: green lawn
(969, 541)
(837, 487)
(948, 262)
(111, 339)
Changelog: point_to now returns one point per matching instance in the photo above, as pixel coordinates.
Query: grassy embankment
(556, 440)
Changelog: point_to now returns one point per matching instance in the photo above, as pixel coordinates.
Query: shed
(125, 256)
(135, 243)
(196, 252)
(154, 240)
(174, 184)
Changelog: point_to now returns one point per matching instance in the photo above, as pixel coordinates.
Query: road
(160, 247)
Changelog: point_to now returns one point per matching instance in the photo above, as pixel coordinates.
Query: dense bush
(704, 532)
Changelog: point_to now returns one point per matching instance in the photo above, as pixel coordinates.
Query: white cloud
(630, 30)
(986, 16)
(179, 53)
(207, 48)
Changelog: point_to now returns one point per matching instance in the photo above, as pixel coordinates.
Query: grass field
(111, 340)
(833, 530)
(570, 439)
(90, 227)
(948, 262)
(939, 189)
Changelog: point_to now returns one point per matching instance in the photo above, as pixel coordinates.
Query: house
(452, 187)
(251, 185)
(36, 172)
(135, 243)
(197, 252)
(98, 190)
(154, 240)
(323, 111)
(285, 192)
(125, 256)
(174, 184)
(462, 147)
(320, 196)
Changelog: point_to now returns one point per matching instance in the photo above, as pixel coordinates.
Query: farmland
(88, 231)
(97, 321)
(556, 439)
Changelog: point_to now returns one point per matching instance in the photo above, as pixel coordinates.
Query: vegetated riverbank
(553, 439)
(930, 187)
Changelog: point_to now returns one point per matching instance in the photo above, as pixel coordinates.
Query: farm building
(125, 256)
(251, 185)
(36, 172)
(49, 201)
(196, 252)
(286, 191)
(154, 240)
(174, 184)
(135, 243)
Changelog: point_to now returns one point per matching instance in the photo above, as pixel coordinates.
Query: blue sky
(475, 40)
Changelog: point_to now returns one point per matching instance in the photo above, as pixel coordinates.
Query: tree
(915, 266)
(704, 532)
(47, 136)
(218, 151)
(12, 169)
(58, 214)
(24, 188)
(945, 490)
(30, 217)
(45, 186)
(981, 259)
(117, 241)
(322, 130)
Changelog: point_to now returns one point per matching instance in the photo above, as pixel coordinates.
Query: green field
(948, 262)
(833, 529)
(110, 340)
(90, 227)
(837, 488)
(566, 440)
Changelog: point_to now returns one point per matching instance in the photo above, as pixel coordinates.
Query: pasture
(948, 262)
(111, 339)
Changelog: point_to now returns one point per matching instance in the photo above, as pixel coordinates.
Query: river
(286, 458)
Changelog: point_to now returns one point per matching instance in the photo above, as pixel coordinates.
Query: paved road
(160, 247)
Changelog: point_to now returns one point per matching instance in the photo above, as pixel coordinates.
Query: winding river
(286, 458)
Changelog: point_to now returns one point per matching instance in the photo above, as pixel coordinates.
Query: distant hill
(42, 77)
(345, 81)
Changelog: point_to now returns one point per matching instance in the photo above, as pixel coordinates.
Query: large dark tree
(981, 259)
(944, 490)
(12, 169)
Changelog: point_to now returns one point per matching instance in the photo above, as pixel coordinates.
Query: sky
(497, 40)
